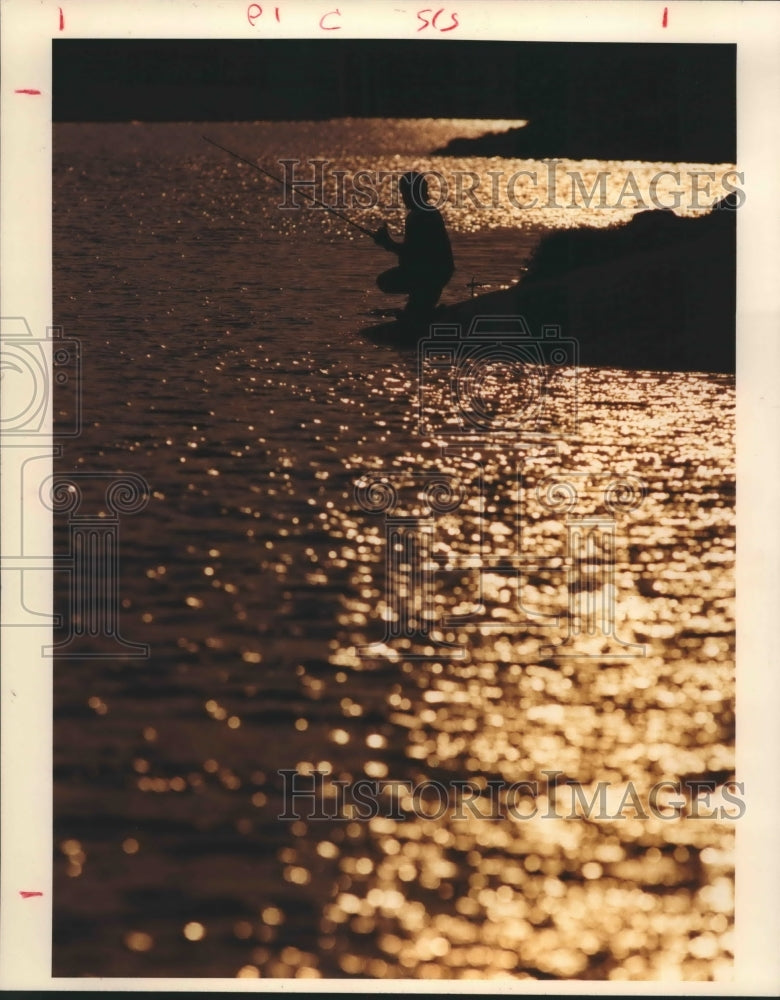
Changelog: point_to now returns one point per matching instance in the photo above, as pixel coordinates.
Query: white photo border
(26, 291)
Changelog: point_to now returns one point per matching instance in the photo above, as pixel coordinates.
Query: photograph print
(394, 509)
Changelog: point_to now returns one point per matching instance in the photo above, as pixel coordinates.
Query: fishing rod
(279, 180)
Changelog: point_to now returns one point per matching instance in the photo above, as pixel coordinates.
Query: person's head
(414, 190)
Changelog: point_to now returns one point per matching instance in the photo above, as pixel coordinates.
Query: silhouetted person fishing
(425, 263)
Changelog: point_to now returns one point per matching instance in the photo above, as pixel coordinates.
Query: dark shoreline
(658, 293)
(542, 139)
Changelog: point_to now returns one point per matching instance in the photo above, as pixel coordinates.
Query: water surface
(223, 362)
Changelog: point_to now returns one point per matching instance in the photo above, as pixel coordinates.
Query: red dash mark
(62, 20)
(27, 90)
(26, 895)
(666, 17)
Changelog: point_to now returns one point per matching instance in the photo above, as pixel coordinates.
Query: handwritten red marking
(62, 20)
(26, 895)
(26, 90)
(253, 11)
(454, 24)
(330, 27)
(666, 17)
(276, 10)
(432, 23)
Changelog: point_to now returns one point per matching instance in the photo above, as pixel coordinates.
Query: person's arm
(383, 239)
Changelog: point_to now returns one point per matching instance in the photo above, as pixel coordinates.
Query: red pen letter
(455, 22)
(327, 27)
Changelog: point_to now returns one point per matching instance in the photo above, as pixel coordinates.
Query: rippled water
(223, 362)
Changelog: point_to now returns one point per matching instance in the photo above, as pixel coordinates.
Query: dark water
(223, 363)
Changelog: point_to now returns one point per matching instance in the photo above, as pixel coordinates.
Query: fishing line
(279, 180)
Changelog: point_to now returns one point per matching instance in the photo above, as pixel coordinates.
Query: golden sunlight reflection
(578, 877)
(521, 653)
